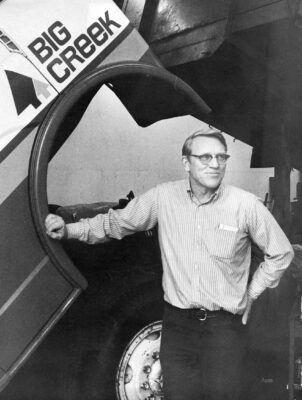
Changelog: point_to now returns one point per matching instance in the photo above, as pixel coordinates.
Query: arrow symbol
(25, 90)
(41, 88)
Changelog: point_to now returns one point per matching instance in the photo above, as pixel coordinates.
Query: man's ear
(186, 163)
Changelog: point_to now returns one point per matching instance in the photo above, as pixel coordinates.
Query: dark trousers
(202, 360)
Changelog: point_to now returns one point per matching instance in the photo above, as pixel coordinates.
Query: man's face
(205, 176)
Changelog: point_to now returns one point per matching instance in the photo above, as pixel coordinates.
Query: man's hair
(210, 132)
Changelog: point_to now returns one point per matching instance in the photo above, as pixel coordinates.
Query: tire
(134, 311)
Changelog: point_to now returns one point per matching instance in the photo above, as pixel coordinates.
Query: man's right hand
(55, 227)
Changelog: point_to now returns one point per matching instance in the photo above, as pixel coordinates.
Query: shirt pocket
(221, 243)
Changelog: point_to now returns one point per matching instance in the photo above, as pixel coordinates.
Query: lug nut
(147, 369)
(155, 355)
(145, 386)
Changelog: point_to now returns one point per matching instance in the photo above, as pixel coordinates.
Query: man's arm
(140, 214)
(277, 250)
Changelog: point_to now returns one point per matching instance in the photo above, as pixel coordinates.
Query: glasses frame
(221, 162)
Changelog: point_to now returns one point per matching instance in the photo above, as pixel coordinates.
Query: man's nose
(213, 163)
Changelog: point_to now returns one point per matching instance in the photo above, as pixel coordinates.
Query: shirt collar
(218, 193)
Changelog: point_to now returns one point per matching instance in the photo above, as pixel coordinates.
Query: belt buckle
(205, 314)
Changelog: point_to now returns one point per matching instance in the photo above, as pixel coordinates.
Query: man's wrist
(254, 290)
(73, 231)
(65, 234)
(252, 295)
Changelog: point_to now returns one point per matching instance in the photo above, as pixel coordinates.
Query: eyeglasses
(206, 158)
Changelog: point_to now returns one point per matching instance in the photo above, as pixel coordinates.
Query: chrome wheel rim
(139, 375)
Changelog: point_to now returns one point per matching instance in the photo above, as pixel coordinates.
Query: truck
(80, 89)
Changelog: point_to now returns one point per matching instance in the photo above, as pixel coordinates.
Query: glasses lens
(222, 158)
(205, 158)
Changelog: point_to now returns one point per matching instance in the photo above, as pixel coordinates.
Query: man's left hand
(247, 310)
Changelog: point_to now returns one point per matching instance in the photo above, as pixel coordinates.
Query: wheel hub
(139, 375)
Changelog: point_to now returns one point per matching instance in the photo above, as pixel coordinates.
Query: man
(205, 231)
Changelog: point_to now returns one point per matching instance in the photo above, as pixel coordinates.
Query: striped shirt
(205, 247)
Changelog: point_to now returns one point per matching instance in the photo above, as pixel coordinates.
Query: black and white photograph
(151, 200)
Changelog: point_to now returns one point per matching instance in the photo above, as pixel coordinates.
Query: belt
(200, 313)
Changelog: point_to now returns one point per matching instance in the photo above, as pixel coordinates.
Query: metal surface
(139, 374)
(244, 59)
(35, 289)
(188, 31)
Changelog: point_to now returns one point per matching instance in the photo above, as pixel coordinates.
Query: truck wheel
(139, 374)
(125, 365)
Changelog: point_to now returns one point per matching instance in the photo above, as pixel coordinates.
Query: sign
(56, 41)
(24, 94)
